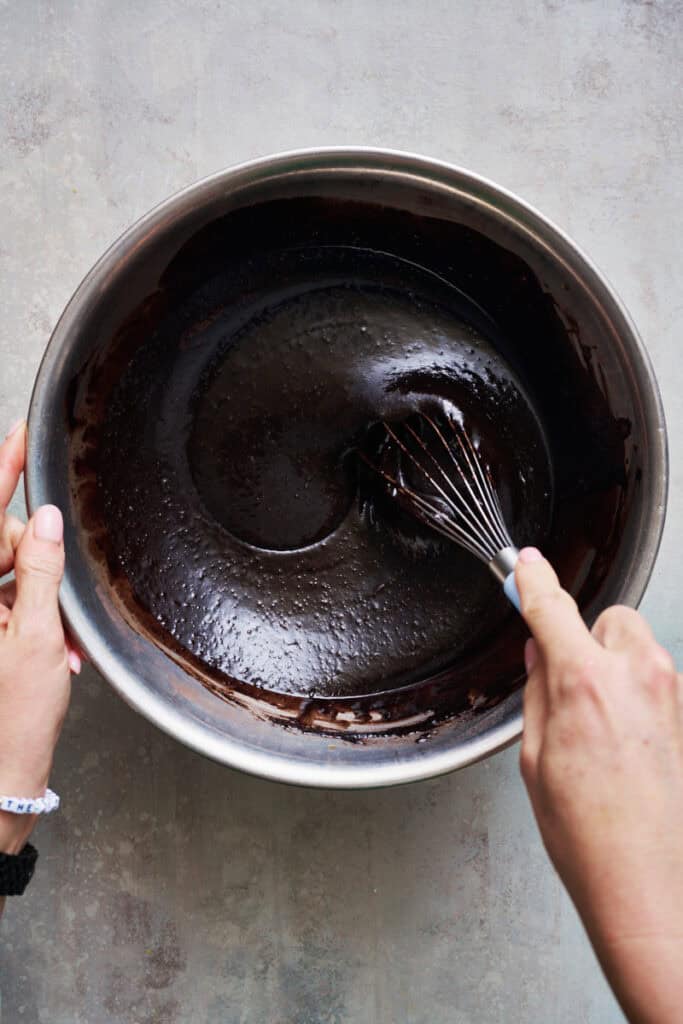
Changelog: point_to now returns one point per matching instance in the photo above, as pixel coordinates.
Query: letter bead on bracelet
(33, 805)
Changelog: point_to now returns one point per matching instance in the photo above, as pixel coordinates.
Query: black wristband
(16, 870)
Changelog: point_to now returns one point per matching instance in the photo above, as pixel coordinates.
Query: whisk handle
(503, 568)
(511, 592)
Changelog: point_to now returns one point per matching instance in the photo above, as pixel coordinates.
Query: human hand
(35, 659)
(602, 759)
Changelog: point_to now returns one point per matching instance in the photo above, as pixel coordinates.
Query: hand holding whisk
(441, 479)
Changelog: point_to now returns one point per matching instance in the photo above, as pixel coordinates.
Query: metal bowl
(238, 734)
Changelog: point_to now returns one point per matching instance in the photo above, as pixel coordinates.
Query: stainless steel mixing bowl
(239, 734)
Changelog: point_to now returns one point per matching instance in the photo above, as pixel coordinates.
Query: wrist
(15, 830)
(635, 922)
(645, 974)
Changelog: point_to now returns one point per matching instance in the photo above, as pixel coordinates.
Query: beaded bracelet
(33, 805)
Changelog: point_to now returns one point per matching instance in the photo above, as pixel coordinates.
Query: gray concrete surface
(170, 889)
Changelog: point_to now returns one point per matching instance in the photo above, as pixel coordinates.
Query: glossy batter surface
(228, 495)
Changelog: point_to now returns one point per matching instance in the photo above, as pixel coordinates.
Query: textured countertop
(170, 889)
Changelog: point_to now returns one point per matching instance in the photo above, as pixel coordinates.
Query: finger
(8, 592)
(11, 532)
(531, 655)
(622, 629)
(535, 710)
(71, 645)
(549, 611)
(74, 660)
(12, 456)
(535, 718)
(38, 568)
(73, 654)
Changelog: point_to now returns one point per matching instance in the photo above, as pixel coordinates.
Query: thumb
(549, 611)
(38, 566)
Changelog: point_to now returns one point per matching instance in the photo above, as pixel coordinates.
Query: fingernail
(74, 662)
(530, 655)
(15, 426)
(528, 555)
(48, 524)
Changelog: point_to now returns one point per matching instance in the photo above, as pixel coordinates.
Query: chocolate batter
(215, 460)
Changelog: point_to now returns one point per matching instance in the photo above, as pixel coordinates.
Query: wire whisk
(438, 475)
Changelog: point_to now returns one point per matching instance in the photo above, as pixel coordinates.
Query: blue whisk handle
(511, 592)
(502, 565)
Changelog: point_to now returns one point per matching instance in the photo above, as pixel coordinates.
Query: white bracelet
(34, 805)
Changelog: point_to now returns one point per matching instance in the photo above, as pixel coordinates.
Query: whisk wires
(459, 500)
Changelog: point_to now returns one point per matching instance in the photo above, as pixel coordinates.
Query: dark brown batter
(220, 473)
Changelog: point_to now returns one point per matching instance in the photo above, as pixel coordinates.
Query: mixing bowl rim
(155, 707)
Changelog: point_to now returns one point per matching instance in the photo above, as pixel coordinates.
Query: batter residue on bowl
(217, 448)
